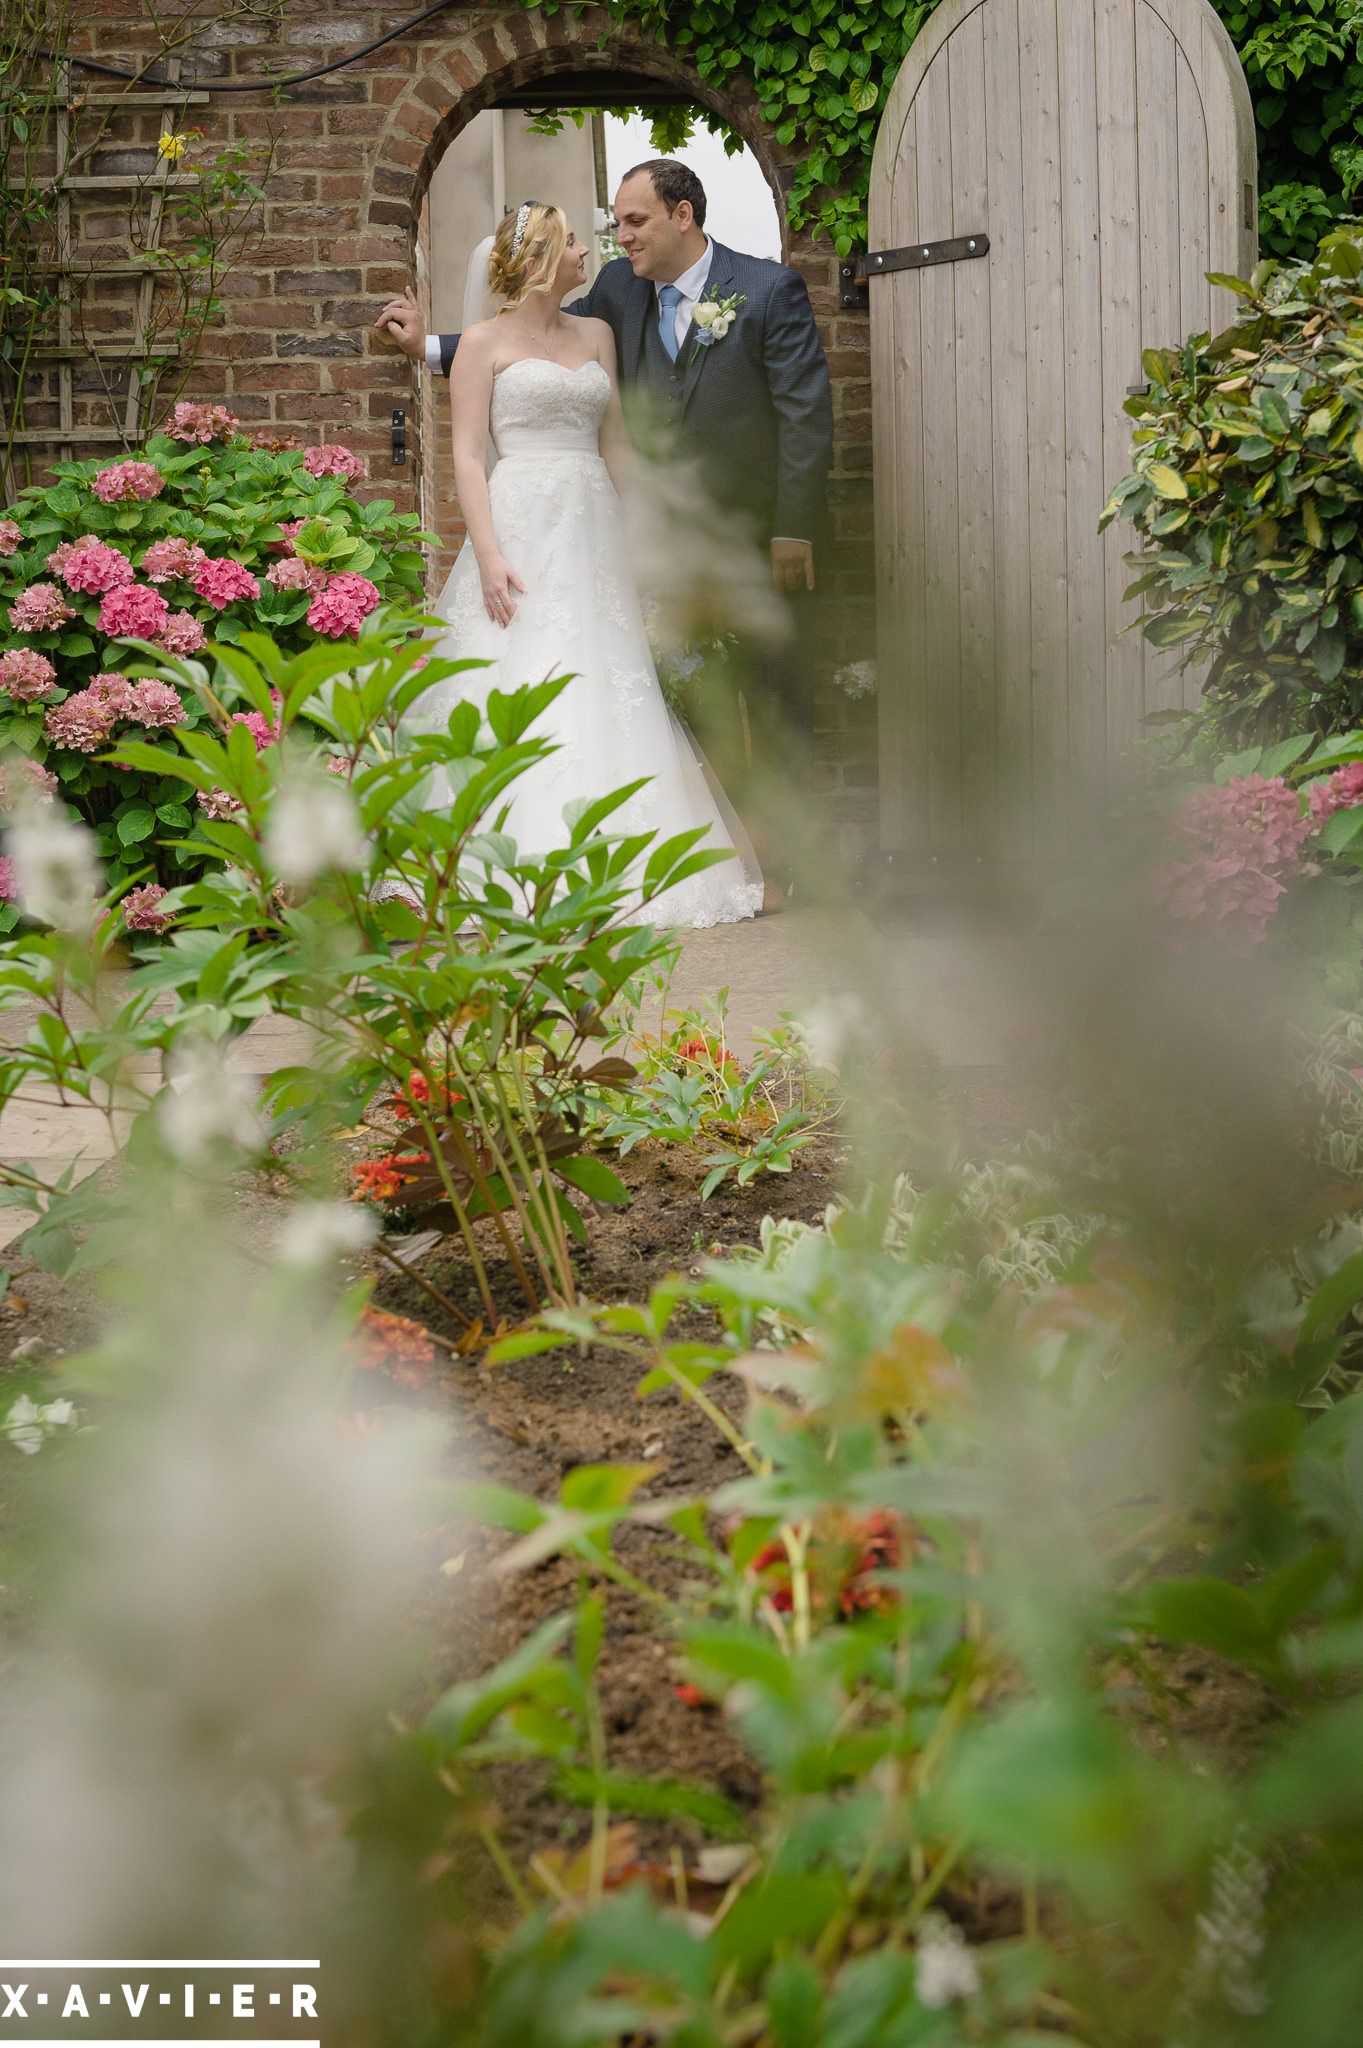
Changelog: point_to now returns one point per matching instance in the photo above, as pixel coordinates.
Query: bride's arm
(471, 379)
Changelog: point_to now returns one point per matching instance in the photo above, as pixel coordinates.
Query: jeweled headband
(522, 223)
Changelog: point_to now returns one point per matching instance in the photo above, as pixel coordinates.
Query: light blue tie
(669, 298)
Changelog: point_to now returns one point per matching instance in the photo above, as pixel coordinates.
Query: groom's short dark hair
(673, 182)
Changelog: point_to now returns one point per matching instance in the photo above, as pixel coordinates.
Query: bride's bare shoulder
(602, 334)
(479, 334)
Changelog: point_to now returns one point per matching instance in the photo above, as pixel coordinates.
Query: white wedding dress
(557, 520)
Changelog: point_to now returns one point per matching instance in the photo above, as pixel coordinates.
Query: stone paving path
(938, 985)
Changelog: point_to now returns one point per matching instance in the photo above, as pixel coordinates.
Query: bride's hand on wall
(499, 580)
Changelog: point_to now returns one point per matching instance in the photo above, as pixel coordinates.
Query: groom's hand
(401, 318)
(792, 565)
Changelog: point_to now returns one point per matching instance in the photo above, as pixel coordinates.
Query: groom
(753, 407)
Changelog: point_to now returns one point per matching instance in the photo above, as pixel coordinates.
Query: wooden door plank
(942, 652)
(1119, 188)
(1161, 272)
(897, 419)
(1087, 486)
(1045, 328)
(1232, 168)
(975, 442)
(1008, 354)
(1194, 202)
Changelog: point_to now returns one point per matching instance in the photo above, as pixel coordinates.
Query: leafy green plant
(1247, 491)
(690, 1089)
(951, 1523)
(483, 1029)
(1305, 70)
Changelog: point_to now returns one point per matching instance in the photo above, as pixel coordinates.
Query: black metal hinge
(857, 272)
(399, 436)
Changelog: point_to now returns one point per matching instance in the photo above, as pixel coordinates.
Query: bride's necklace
(541, 346)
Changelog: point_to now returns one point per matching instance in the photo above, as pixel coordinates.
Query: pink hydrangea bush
(200, 424)
(1243, 844)
(343, 605)
(221, 583)
(289, 573)
(22, 779)
(206, 533)
(1338, 792)
(39, 609)
(134, 612)
(124, 480)
(331, 459)
(85, 721)
(141, 908)
(173, 561)
(91, 566)
(26, 676)
(182, 634)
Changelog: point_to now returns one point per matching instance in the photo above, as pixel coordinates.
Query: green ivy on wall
(822, 70)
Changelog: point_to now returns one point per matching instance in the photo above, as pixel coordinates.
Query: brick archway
(294, 353)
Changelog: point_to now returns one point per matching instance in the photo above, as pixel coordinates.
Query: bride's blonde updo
(529, 263)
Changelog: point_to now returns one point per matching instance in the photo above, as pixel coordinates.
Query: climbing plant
(822, 70)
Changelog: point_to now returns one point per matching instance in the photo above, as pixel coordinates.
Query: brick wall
(353, 155)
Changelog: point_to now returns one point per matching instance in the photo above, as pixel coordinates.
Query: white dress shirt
(691, 285)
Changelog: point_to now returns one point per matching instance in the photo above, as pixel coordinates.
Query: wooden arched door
(1106, 149)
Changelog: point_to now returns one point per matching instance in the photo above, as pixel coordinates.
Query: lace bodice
(543, 407)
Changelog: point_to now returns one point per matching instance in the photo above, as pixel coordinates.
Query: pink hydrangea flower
(155, 704)
(141, 908)
(62, 554)
(25, 674)
(337, 764)
(331, 459)
(1337, 792)
(287, 528)
(39, 608)
(201, 423)
(218, 803)
(290, 573)
(264, 731)
(343, 606)
(173, 561)
(23, 777)
(1245, 841)
(181, 634)
(136, 612)
(83, 723)
(9, 888)
(220, 582)
(11, 538)
(90, 565)
(128, 480)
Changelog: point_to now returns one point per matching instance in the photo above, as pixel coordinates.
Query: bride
(541, 588)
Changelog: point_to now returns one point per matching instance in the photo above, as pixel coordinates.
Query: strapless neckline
(547, 363)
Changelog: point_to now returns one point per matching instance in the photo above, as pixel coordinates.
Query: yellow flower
(173, 147)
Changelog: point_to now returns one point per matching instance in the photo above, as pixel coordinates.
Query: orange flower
(382, 1179)
(417, 1095)
(396, 1345)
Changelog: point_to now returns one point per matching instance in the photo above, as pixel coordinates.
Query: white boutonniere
(712, 320)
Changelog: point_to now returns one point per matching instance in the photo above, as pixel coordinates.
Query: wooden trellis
(66, 351)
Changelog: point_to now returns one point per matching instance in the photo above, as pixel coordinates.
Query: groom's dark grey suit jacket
(754, 409)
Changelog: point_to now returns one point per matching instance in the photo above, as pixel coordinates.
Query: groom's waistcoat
(662, 376)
